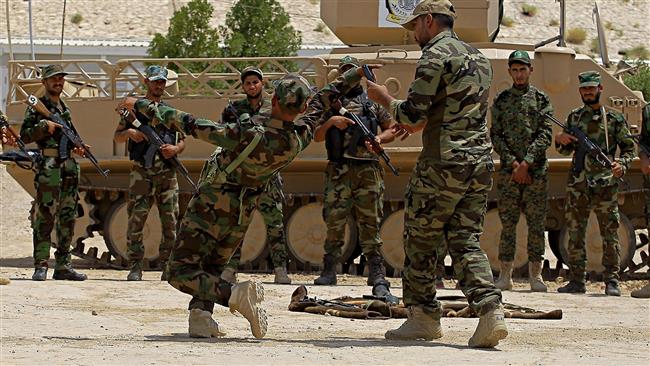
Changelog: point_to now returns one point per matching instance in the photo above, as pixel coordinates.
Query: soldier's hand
(79, 151)
(341, 122)
(617, 169)
(564, 138)
(520, 173)
(136, 135)
(376, 92)
(8, 138)
(645, 169)
(371, 147)
(168, 150)
(400, 131)
(372, 67)
(52, 126)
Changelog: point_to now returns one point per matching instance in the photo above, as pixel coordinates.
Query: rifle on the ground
(69, 133)
(585, 146)
(155, 142)
(637, 139)
(19, 142)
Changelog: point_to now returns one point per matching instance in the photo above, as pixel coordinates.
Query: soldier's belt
(50, 153)
(357, 161)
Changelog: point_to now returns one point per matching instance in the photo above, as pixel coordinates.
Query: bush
(320, 27)
(507, 22)
(639, 81)
(529, 10)
(637, 53)
(76, 18)
(594, 46)
(554, 23)
(576, 35)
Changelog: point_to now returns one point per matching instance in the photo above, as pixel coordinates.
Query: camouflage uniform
(645, 140)
(520, 133)
(216, 219)
(270, 201)
(147, 185)
(446, 197)
(595, 188)
(57, 187)
(354, 184)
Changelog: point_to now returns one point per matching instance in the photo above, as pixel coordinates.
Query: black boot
(573, 287)
(611, 288)
(328, 276)
(135, 274)
(40, 274)
(67, 273)
(376, 269)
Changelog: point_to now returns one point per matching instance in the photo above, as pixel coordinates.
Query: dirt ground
(107, 320)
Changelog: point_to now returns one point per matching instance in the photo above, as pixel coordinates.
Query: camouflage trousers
(212, 228)
(646, 186)
(270, 206)
(57, 195)
(447, 202)
(146, 186)
(581, 199)
(356, 189)
(532, 200)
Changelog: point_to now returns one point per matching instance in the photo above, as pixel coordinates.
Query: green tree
(189, 35)
(640, 80)
(259, 28)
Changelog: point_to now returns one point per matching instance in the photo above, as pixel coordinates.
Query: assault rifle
(19, 142)
(69, 134)
(155, 142)
(585, 146)
(367, 134)
(644, 149)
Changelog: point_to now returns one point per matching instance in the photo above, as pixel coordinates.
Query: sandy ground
(146, 322)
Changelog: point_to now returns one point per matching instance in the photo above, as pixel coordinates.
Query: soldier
(270, 204)
(644, 140)
(151, 181)
(594, 187)
(354, 182)
(446, 197)
(56, 181)
(254, 150)
(520, 135)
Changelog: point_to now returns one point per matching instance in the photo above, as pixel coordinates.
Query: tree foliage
(259, 28)
(640, 80)
(189, 34)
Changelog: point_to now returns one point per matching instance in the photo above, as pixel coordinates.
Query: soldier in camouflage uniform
(446, 197)
(644, 140)
(151, 181)
(56, 181)
(270, 204)
(594, 187)
(520, 135)
(354, 183)
(253, 151)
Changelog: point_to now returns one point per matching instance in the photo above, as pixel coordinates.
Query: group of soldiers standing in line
(445, 200)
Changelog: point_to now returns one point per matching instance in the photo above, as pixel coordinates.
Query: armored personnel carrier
(96, 86)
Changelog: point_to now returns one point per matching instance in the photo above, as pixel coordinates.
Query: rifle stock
(70, 134)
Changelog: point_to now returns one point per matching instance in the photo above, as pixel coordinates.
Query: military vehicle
(96, 86)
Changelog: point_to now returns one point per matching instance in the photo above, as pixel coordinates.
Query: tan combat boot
(642, 293)
(203, 326)
(505, 276)
(229, 275)
(490, 330)
(246, 298)
(419, 325)
(535, 277)
(281, 276)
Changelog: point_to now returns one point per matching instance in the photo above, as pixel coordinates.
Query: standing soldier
(520, 135)
(354, 182)
(151, 181)
(592, 186)
(446, 197)
(56, 181)
(270, 203)
(644, 141)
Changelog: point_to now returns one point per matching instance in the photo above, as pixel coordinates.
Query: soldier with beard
(594, 187)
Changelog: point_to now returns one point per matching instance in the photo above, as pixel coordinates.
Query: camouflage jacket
(645, 128)
(280, 143)
(450, 96)
(591, 123)
(355, 104)
(243, 107)
(34, 128)
(519, 132)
